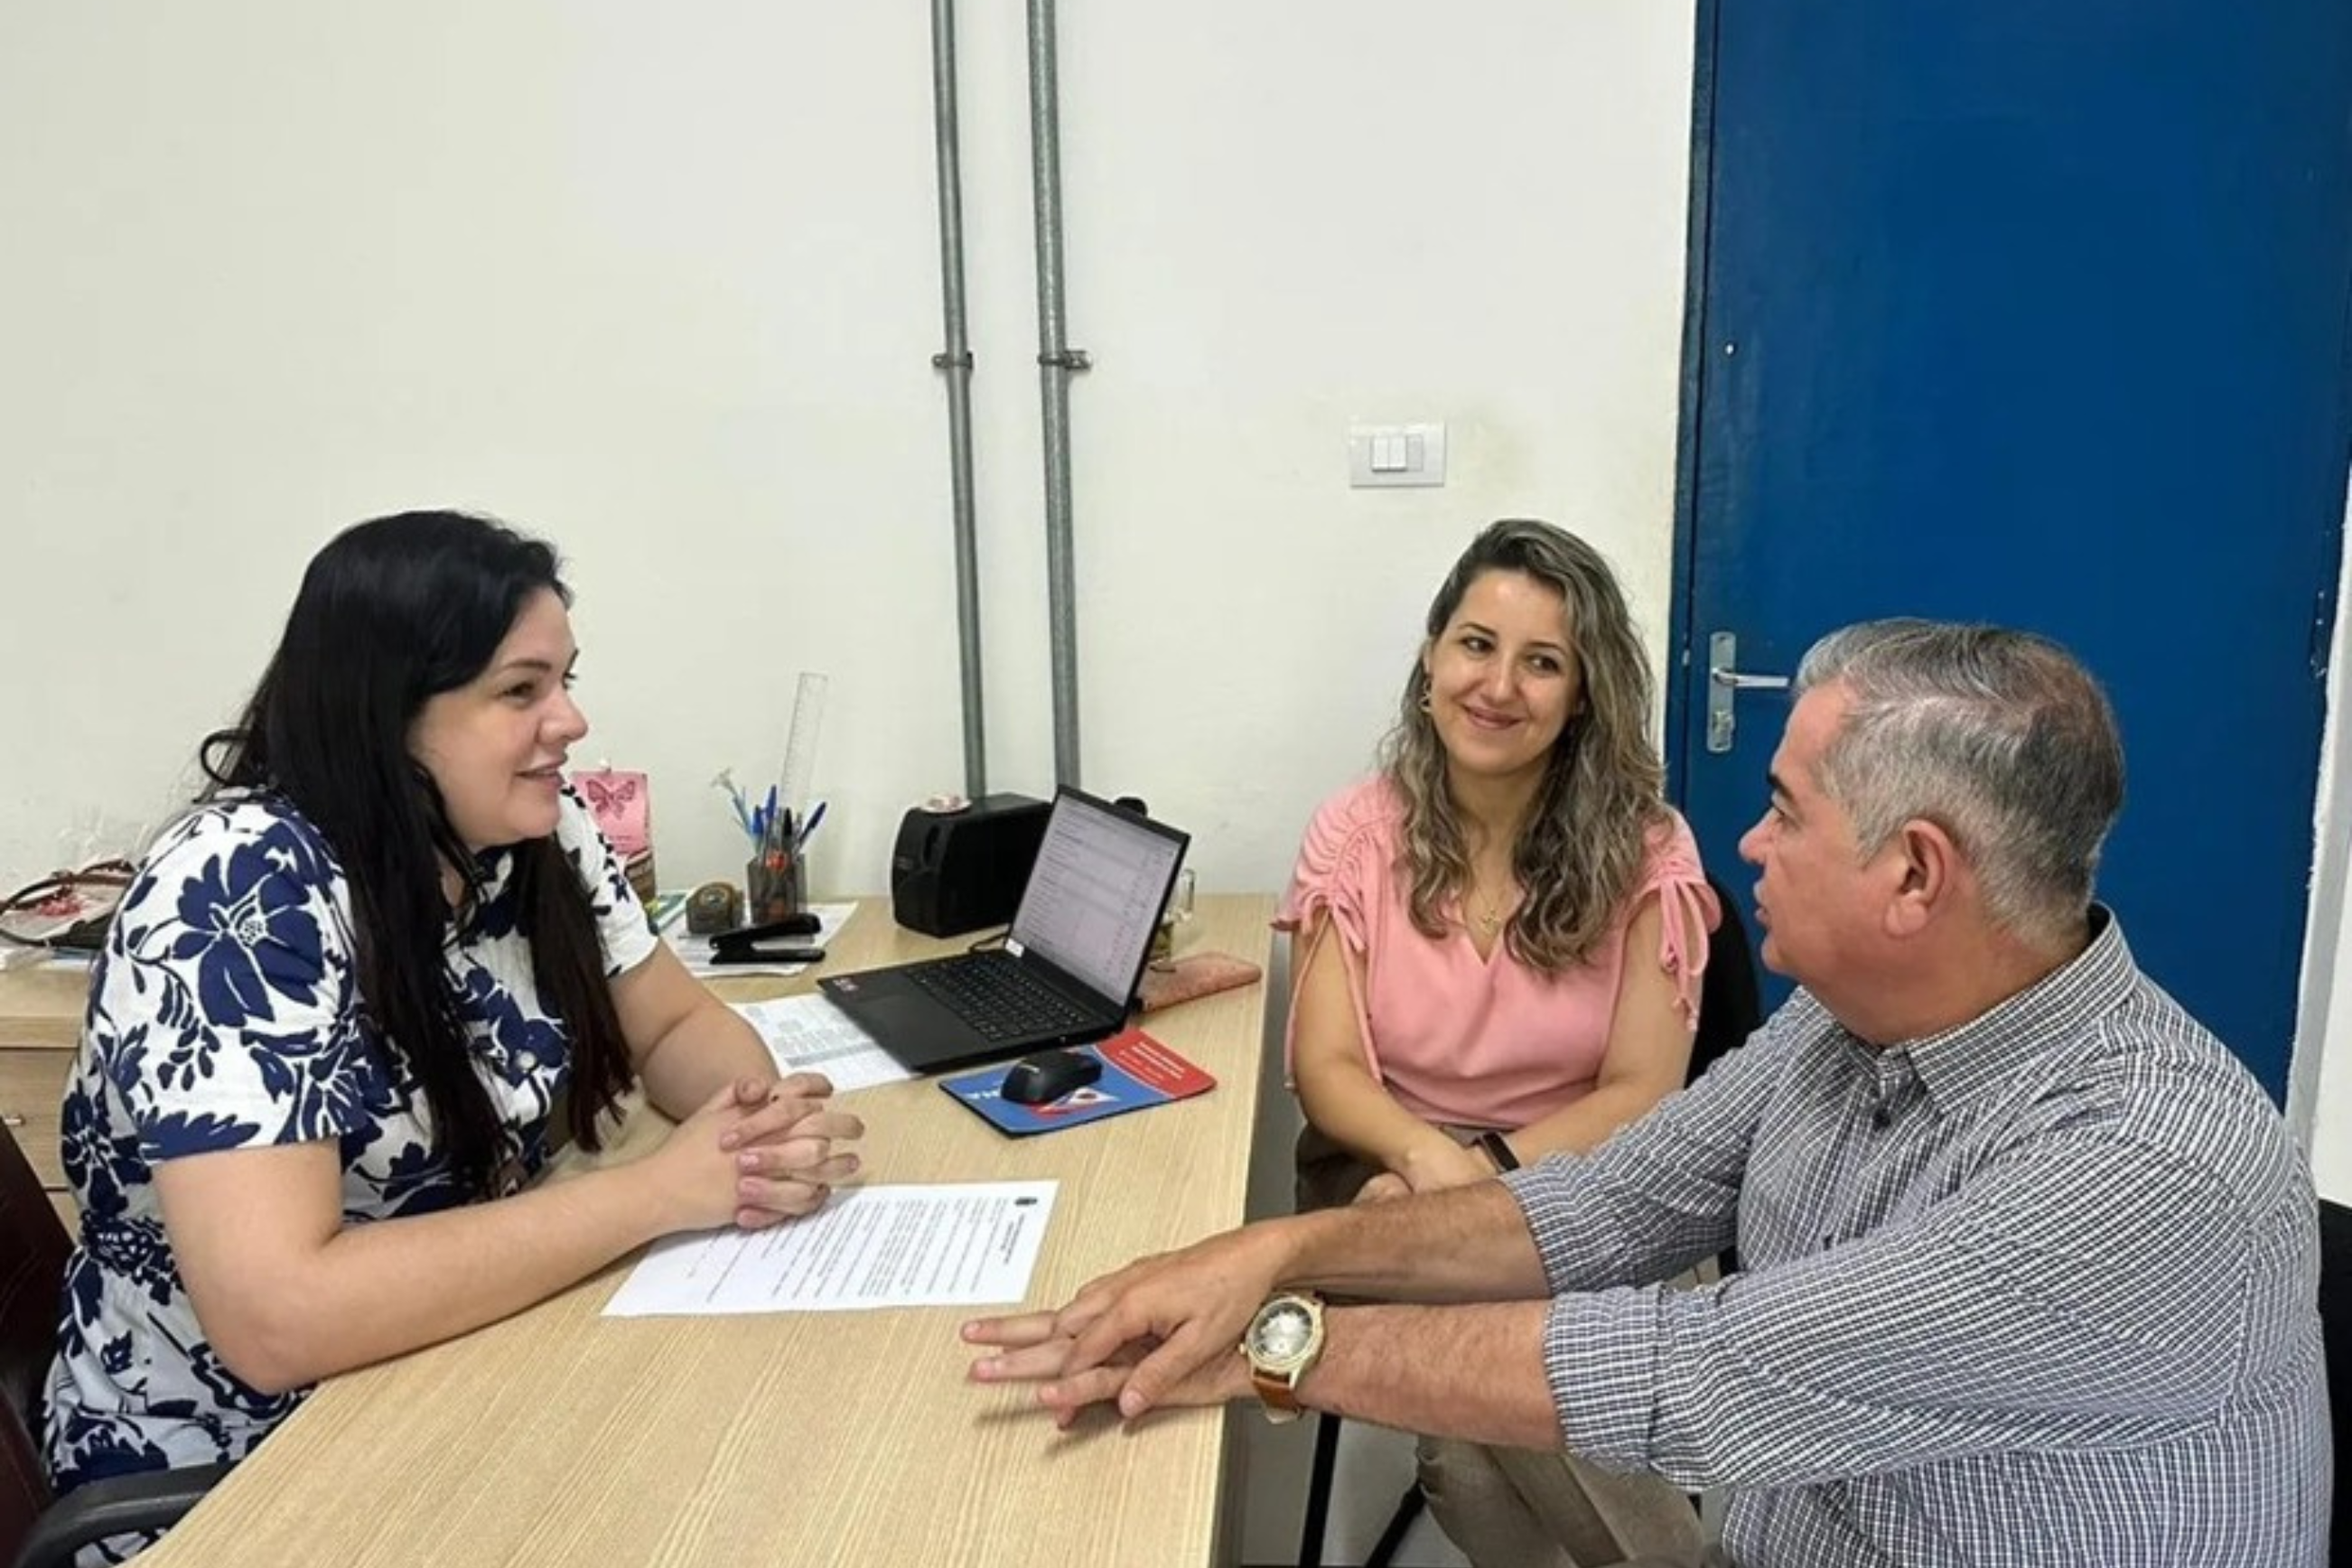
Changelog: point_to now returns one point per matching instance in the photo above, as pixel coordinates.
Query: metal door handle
(1724, 684)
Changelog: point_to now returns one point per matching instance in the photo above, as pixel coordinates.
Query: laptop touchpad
(913, 1018)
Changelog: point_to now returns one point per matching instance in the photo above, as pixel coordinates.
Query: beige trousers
(1515, 1508)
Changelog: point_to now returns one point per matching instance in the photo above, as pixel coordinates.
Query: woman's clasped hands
(757, 1151)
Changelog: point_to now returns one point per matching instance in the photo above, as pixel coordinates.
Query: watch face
(1281, 1332)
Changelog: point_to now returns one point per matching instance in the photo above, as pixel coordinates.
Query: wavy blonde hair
(1582, 847)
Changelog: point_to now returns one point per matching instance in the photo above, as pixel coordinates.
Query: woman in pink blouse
(1496, 944)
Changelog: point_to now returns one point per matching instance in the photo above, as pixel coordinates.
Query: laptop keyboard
(1000, 999)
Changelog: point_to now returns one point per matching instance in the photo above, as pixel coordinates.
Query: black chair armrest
(118, 1505)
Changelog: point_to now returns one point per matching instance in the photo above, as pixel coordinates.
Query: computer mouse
(1047, 1075)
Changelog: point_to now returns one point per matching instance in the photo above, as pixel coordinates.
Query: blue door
(2037, 313)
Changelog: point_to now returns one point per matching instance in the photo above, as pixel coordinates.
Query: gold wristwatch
(1284, 1342)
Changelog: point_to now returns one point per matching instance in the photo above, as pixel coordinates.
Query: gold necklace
(1490, 917)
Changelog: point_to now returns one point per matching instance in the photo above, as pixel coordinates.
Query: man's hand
(1163, 1331)
(1035, 1347)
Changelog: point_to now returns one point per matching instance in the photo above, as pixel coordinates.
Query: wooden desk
(40, 1023)
(559, 1436)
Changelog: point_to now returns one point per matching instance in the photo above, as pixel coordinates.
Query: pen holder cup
(774, 887)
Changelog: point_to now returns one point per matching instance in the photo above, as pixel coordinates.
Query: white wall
(663, 287)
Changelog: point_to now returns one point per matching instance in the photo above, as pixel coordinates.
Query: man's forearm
(1465, 1244)
(1474, 1371)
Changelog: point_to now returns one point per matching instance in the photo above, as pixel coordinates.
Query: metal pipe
(955, 360)
(1057, 363)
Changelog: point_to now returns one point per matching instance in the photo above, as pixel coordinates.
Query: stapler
(749, 944)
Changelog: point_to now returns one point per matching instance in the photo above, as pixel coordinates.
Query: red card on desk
(1139, 1072)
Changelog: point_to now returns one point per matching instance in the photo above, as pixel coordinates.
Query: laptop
(1069, 967)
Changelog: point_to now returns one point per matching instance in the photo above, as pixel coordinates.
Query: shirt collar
(1962, 1062)
(494, 872)
(496, 869)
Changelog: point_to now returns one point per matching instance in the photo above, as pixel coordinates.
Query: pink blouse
(1480, 1042)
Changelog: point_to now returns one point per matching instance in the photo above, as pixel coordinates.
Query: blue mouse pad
(1139, 1072)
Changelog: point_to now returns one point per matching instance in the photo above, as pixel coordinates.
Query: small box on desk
(956, 871)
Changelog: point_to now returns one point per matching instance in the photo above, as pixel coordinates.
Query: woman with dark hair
(353, 999)
(1497, 944)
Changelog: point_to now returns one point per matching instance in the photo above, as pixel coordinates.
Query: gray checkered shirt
(2039, 1290)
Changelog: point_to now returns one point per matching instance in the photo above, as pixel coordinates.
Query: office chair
(1730, 1003)
(36, 1530)
(1730, 1008)
(2335, 1331)
(1730, 1000)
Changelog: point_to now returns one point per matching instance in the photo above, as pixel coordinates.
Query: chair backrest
(1730, 1004)
(33, 1248)
(2336, 1328)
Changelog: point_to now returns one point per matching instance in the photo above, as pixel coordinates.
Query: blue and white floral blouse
(226, 1014)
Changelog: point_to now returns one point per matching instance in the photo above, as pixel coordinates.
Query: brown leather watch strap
(1276, 1392)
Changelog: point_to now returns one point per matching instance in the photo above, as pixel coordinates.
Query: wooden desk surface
(561, 1436)
(42, 1007)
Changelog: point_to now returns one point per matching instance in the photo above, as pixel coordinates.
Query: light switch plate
(1379, 456)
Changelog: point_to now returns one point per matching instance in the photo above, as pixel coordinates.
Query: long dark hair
(1581, 849)
(391, 612)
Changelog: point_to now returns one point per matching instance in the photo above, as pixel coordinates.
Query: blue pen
(772, 804)
(808, 829)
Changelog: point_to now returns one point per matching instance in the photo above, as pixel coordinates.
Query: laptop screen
(1096, 891)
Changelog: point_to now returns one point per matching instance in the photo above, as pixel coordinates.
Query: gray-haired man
(2030, 1259)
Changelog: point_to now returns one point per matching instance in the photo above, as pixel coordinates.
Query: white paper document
(963, 1245)
(694, 951)
(809, 1034)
